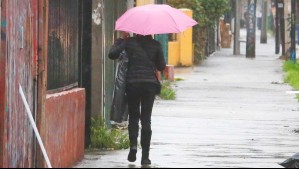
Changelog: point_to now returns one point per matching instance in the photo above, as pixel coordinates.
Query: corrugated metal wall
(21, 38)
(64, 43)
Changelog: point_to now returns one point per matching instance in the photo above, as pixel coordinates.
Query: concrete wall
(65, 126)
(174, 53)
(180, 52)
(186, 44)
(97, 59)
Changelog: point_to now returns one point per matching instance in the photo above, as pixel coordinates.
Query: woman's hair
(146, 36)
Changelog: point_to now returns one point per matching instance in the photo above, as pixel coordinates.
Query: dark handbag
(159, 86)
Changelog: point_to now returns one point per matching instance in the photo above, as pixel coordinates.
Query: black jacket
(145, 55)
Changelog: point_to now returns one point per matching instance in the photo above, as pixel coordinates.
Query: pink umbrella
(154, 19)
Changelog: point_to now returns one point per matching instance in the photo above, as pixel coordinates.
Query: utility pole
(277, 29)
(238, 7)
(293, 31)
(264, 22)
(282, 26)
(251, 29)
(288, 28)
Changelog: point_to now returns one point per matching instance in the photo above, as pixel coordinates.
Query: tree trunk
(251, 29)
(277, 29)
(264, 22)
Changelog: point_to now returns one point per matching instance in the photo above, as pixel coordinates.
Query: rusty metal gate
(19, 50)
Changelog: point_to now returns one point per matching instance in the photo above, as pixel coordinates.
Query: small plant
(108, 139)
(290, 66)
(178, 79)
(292, 74)
(167, 92)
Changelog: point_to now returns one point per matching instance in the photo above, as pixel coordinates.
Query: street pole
(264, 22)
(251, 29)
(293, 31)
(238, 6)
(277, 29)
(282, 26)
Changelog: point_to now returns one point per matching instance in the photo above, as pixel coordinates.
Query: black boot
(146, 136)
(132, 154)
(133, 135)
(145, 159)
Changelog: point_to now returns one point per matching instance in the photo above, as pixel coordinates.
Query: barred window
(63, 43)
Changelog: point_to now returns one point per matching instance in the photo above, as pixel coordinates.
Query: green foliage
(109, 139)
(190, 4)
(213, 10)
(207, 13)
(292, 74)
(167, 92)
(290, 66)
(292, 77)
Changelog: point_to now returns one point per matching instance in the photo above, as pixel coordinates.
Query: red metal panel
(21, 35)
(42, 72)
(2, 81)
(26, 28)
(65, 127)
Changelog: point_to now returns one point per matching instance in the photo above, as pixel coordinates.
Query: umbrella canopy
(292, 162)
(154, 19)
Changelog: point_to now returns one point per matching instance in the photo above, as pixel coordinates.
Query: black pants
(141, 97)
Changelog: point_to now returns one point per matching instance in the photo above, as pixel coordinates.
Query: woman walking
(145, 57)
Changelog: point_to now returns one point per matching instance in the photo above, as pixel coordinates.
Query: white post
(28, 111)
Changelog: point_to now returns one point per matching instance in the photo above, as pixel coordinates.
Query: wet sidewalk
(229, 112)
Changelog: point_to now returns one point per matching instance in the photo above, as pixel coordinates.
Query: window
(63, 55)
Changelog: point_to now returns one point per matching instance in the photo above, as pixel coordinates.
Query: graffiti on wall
(3, 35)
(97, 15)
